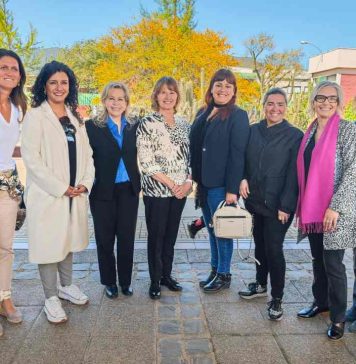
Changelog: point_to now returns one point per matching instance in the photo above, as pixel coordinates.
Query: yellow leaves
(141, 53)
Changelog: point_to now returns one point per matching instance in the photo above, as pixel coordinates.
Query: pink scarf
(315, 195)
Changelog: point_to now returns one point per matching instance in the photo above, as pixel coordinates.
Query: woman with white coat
(60, 173)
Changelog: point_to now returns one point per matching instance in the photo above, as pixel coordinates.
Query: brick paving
(185, 328)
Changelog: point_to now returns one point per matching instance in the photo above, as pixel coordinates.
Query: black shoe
(254, 290)
(111, 291)
(127, 290)
(221, 281)
(155, 291)
(336, 330)
(209, 279)
(171, 284)
(193, 228)
(275, 310)
(311, 311)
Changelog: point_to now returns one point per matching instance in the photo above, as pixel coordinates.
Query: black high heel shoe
(336, 330)
(155, 291)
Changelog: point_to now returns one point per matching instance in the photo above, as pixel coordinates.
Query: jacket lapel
(109, 137)
(212, 125)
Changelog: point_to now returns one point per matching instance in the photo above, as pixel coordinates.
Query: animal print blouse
(164, 149)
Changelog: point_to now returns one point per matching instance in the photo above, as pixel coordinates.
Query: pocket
(273, 190)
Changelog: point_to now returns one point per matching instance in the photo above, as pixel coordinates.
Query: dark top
(107, 155)
(308, 152)
(69, 131)
(271, 168)
(121, 174)
(223, 150)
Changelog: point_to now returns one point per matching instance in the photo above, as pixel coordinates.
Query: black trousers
(337, 283)
(163, 216)
(320, 281)
(116, 218)
(269, 234)
(330, 280)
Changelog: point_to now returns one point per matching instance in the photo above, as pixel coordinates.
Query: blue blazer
(224, 148)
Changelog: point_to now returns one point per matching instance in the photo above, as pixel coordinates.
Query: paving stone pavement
(186, 328)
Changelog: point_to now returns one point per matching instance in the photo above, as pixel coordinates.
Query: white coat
(54, 231)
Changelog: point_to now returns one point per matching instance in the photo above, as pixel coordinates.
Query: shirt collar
(111, 123)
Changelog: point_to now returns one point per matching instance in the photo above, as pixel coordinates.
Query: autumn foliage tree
(142, 53)
(272, 68)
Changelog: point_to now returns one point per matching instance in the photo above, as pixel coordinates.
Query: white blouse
(9, 136)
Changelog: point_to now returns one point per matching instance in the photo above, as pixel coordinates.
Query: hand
(230, 198)
(330, 220)
(244, 188)
(283, 217)
(69, 191)
(182, 190)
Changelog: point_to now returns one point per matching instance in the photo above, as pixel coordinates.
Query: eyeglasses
(322, 98)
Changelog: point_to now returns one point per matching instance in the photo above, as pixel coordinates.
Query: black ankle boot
(221, 281)
(209, 279)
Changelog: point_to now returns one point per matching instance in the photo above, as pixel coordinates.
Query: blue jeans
(221, 249)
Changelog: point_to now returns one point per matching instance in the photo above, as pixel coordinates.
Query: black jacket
(271, 167)
(223, 151)
(107, 155)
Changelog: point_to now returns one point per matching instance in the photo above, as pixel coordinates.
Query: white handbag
(232, 222)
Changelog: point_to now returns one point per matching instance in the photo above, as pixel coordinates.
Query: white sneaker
(54, 311)
(72, 294)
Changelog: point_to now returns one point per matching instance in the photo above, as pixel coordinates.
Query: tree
(272, 68)
(179, 13)
(83, 57)
(142, 53)
(11, 39)
(350, 110)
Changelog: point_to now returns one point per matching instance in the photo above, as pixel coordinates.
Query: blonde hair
(321, 85)
(102, 118)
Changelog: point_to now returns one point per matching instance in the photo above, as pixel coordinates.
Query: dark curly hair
(17, 95)
(47, 71)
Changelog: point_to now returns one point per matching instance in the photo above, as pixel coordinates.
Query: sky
(327, 24)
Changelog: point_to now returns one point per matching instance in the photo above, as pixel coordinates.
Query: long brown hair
(221, 75)
(17, 95)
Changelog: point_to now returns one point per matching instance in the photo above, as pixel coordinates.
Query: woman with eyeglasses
(60, 173)
(326, 167)
(12, 104)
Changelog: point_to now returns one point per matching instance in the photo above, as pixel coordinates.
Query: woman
(163, 153)
(270, 192)
(218, 143)
(114, 197)
(12, 104)
(327, 198)
(60, 172)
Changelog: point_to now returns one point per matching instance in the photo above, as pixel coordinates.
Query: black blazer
(223, 154)
(107, 155)
(271, 167)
